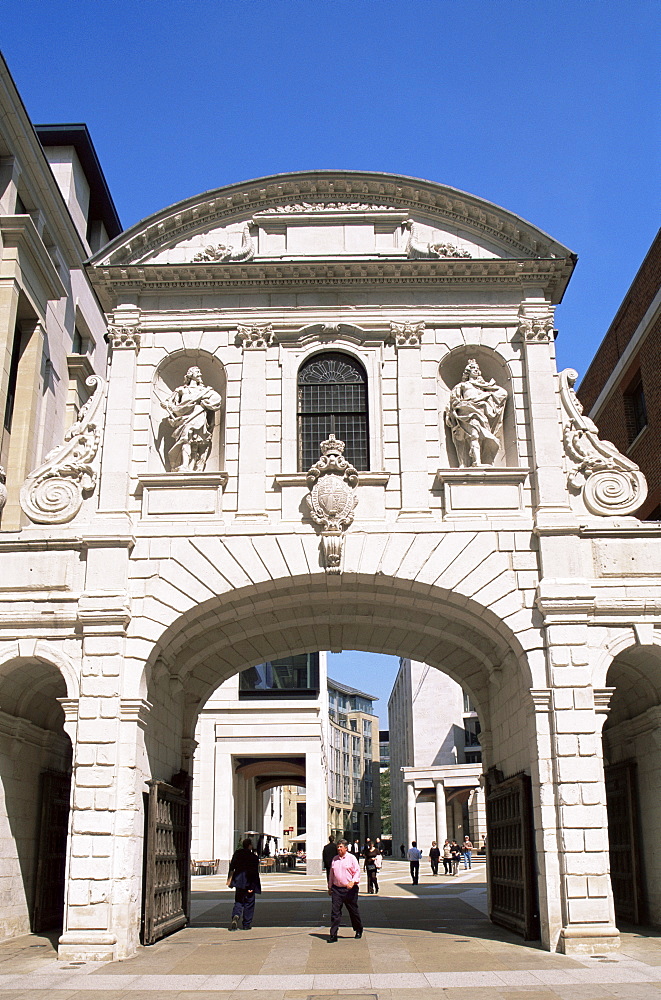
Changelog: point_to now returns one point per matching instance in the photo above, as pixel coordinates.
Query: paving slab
(432, 941)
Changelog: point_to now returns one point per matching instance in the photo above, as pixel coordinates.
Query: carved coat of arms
(332, 482)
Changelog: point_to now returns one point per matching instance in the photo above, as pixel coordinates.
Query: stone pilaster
(102, 906)
(536, 332)
(252, 423)
(410, 812)
(412, 429)
(124, 338)
(223, 817)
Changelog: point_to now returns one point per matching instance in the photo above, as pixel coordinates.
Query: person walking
(402, 851)
(343, 880)
(434, 855)
(447, 858)
(455, 851)
(414, 861)
(467, 851)
(243, 877)
(370, 855)
(329, 852)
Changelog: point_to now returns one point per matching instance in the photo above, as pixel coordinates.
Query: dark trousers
(434, 866)
(415, 871)
(372, 884)
(447, 866)
(340, 897)
(244, 906)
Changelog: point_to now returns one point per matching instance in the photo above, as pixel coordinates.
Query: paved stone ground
(432, 940)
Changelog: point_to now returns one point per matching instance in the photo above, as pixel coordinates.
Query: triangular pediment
(329, 215)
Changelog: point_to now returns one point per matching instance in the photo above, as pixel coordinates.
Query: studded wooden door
(510, 854)
(624, 841)
(166, 896)
(51, 851)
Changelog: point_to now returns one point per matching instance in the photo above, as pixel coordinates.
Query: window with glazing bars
(332, 399)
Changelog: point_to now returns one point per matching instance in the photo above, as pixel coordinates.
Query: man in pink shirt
(343, 879)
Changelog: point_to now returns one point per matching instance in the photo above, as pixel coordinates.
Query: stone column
(441, 812)
(412, 431)
(316, 807)
(251, 504)
(124, 337)
(224, 807)
(104, 887)
(458, 821)
(9, 293)
(410, 812)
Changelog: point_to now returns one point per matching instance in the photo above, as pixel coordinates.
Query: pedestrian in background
(414, 861)
(328, 853)
(370, 855)
(243, 877)
(455, 851)
(447, 858)
(467, 851)
(434, 855)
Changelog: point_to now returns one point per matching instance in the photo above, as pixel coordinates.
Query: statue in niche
(475, 417)
(191, 408)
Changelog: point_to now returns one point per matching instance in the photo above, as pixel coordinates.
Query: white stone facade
(430, 779)
(528, 581)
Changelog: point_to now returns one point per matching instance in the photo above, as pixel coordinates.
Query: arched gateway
(332, 421)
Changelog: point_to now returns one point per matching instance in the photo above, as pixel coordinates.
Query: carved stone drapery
(332, 482)
(407, 334)
(124, 337)
(255, 338)
(221, 253)
(612, 485)
(191, 408)
(53, 493)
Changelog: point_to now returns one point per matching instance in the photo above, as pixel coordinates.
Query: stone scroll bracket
(610, 484)
(332, 483)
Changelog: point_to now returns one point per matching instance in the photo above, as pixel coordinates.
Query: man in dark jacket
(243, 877)
(328, 853)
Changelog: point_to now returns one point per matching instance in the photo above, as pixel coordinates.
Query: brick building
(621, 389)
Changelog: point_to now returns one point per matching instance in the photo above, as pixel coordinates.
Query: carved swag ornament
(53, 493)
(611, 483)
(332, 482)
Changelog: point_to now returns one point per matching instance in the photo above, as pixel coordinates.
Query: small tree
(386, 822)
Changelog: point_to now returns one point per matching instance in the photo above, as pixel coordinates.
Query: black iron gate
(48, 907)
(624, 841)
(510, 854)
(166, 892)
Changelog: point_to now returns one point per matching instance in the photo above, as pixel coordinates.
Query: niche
(492, 366)
(169, 375)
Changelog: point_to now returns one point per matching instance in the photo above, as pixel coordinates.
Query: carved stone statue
(191, 409)
(475, 417)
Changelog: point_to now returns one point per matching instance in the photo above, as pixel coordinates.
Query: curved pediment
(339, 215)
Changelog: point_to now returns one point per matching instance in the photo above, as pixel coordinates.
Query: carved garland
(332, 483)
(612, 484)
(53, 493)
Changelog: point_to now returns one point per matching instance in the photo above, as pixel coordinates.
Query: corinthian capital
(255, 338)
(536, 325)
(407, 334)
(124, 337)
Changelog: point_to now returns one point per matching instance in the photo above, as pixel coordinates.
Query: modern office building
(353, 764)
(435, 759)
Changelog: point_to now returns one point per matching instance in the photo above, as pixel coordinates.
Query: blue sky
(549, 108)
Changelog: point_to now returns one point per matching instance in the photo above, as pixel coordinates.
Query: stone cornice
(366, 190)
(18, 232)
(551, 274)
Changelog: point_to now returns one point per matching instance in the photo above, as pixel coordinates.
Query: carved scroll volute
(332, 499)
(54, 493)
(612, 485)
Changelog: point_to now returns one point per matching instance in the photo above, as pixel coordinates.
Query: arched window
(332, 399)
